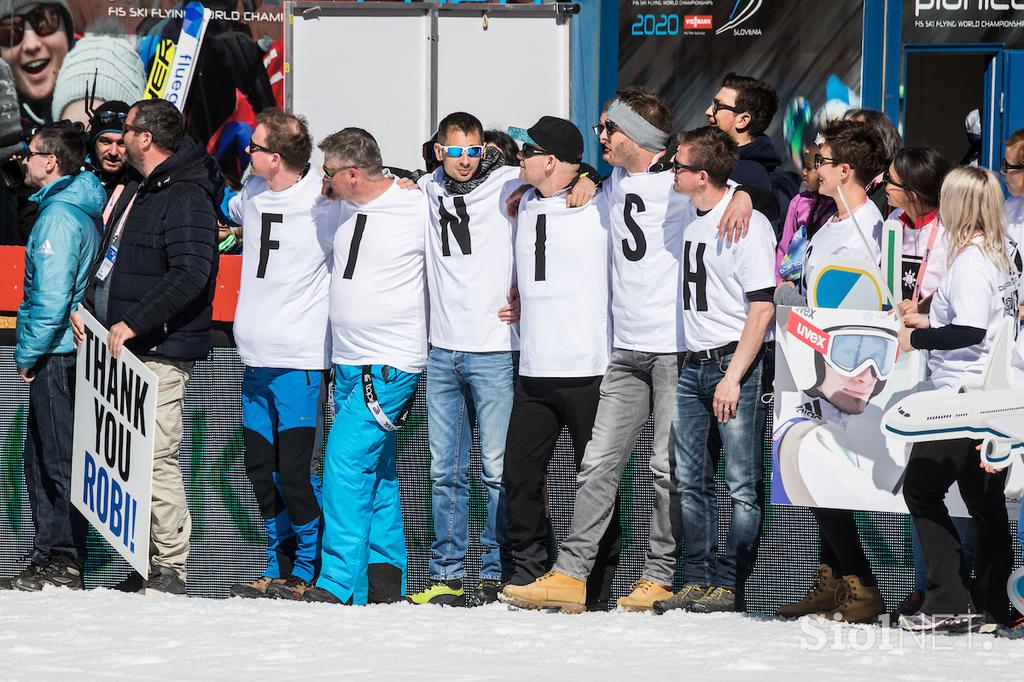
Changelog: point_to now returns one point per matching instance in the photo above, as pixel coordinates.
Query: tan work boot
(858, 603)
(645, 593)
(552, 590)
(823, 596)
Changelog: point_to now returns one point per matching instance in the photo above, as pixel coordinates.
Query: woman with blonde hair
(977, 291)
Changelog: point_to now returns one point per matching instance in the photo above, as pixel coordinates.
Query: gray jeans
(626, 395)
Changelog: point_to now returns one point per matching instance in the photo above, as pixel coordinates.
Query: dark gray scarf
(492, 161)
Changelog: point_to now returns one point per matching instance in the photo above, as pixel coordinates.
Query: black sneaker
(164, 580)
(486, 593)
(716, 599)
(680, 600)
(320, 595)
(60, 571)
(257, 589)
(29, 571)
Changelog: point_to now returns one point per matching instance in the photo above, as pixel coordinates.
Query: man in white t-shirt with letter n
(645, 218)
(281, 330)
(470, 367)
(564, 333)
(727, 311)
(379, 331)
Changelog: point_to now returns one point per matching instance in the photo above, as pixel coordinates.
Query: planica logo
(966, 5)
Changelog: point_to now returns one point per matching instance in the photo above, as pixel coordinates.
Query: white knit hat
(110, 61)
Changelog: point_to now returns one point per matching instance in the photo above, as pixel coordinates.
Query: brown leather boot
(645, 593)
(823, 596)
(552, 590)
(858, 603)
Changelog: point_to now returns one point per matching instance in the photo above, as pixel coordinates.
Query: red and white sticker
(802, 329)
(697, 22)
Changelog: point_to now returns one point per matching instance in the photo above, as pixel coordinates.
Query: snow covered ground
(104, 634)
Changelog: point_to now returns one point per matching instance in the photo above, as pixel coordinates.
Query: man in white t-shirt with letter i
(379, 331)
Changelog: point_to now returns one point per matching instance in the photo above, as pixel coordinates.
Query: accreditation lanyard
(372, 404)
(921, 269)
(111, 256)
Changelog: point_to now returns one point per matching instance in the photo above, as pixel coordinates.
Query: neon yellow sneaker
(443, 592)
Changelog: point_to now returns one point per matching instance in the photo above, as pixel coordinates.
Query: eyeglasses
(529, 150)
(29, 153)
(678, 168)
(331, 172)
(887, 179)
(253, 147)
(129, 128)
(608, 127)
(820, 160)
(1005, 166)
(717, 106)
(44, 20)
(474, 151)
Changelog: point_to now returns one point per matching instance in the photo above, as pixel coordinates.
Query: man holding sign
(154, 288)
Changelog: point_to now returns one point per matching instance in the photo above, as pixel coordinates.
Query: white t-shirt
(974, 293)
(1015, 219)
(915, 244)
(839, 238)
(716, 276)
(469, 263)
(646, 217)
(281, 319)
(378, 287)
(562, 270)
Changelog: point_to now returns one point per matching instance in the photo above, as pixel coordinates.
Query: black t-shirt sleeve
(761, 295)
(950, 337)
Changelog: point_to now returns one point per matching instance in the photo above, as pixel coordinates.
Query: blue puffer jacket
(60, 249)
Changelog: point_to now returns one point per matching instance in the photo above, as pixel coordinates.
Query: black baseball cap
(554, 135)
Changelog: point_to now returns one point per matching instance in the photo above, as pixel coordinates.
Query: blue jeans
(742, 439)
(461, 387)
(362, 507)
(60, 529)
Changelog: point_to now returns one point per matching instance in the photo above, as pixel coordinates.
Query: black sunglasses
(608, 127)
(529, 150)
(887, 179)
(679, 167)
(44, 20)
(253, 147)
(1005, 166)
(717, 106)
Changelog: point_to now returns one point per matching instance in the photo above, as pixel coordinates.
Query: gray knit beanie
(10, 117)
(110, 61)
(9, 7)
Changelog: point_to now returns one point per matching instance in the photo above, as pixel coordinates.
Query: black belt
(713, 354)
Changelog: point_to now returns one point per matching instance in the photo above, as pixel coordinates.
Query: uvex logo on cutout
(697, 22)
(805, 331)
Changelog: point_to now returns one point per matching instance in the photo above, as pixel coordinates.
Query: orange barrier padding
(12, 276)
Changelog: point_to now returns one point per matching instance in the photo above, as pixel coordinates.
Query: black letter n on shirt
(458, 227)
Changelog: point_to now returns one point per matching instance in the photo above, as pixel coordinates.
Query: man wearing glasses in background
(744, 108)
(152, 287)
(281, 331)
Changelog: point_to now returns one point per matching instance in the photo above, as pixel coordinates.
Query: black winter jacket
(165, 274)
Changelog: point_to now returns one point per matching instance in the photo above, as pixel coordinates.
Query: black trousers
(541, 408)
(841, 549)
(932, 469)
